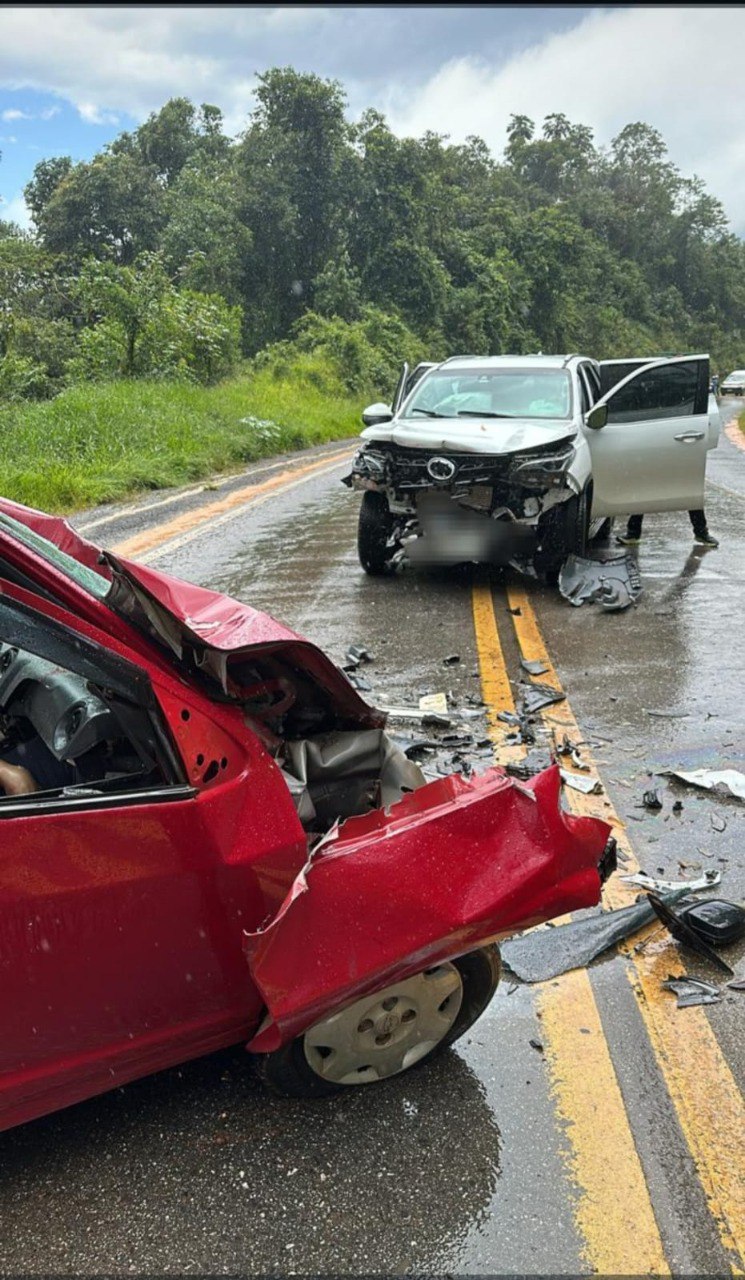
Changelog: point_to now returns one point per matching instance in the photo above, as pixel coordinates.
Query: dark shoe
(624, 540)
(706, 539)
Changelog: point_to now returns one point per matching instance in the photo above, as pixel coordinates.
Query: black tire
(563, 532)
(287, 1071)
(373, 532)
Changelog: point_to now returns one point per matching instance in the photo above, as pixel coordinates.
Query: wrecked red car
(207, 838)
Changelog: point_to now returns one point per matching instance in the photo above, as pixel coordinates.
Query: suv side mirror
(597, 417)
(375, 414)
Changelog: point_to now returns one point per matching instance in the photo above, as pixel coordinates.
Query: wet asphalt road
(461, 1167)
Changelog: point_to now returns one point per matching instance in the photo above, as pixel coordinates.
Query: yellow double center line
(613, 1209)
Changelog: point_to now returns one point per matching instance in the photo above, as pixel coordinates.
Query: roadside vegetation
(181, 280)
(92, 444)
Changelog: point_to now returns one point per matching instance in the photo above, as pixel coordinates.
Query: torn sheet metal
(547, 953)
(613, 584)
(691, 992)
(731, 781)
(451, 866)
(343, 773)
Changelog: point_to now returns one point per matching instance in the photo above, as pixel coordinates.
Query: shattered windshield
(492, 393)
(91, 581)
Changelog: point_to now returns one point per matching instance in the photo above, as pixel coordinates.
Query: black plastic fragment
(718, 922)
(685, 935)
(651, 800)
(537, 696)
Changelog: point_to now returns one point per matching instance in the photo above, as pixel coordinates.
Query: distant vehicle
(734, 383)
(524, 459)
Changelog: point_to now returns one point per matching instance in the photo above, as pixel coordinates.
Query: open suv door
(648, 438)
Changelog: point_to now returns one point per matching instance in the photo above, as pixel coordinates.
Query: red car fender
(453, 865)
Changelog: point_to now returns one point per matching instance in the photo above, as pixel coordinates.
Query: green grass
(100, 443)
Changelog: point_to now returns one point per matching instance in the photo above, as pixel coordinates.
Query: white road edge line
(182, 540)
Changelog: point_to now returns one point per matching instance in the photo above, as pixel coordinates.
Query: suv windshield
(492, 393)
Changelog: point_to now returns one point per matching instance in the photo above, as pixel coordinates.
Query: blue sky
(72, 77)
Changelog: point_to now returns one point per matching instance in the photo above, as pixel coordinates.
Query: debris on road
(692, 991)
(356, 653)
(707, 881)
(536, 696)
(588, 786)
(681, 926)
(436, 702)
(651, 801)
(547, 953)
(452, 660)
(420, 717)
(719, 824)
(614, 584)
(728, 781)
(534, 667)
(737, 984)
(666, 715)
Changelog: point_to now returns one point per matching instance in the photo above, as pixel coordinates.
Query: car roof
(514, 362)
(736, 373)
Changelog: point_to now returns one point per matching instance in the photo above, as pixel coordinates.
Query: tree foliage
(312, 229)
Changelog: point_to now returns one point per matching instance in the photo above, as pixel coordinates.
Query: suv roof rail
(468, 356)
(573, 355)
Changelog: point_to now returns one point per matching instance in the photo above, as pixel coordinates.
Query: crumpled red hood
(206, 631)
(457, 863)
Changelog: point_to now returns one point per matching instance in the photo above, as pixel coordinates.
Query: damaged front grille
(422, 468)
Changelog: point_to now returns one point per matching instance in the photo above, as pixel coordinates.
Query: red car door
(122, 916)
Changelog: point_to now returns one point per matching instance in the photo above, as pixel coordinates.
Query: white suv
(522, 459)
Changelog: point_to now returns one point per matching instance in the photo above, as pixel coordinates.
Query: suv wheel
(373, 534)
(563, 532)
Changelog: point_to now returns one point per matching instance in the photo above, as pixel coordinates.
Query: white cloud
(15, 210)
(14, 113)
(8, 137)
(615, 67)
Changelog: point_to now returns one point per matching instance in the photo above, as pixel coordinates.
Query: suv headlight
(369, 464)
(542, 470)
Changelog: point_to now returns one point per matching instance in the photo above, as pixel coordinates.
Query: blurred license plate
(480, 497)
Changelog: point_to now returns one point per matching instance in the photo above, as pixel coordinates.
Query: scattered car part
(614, 584)
(535, 696)
(546, 953)
(651, 801)
(684, 933)
(588, 786)
(707, 881)
(728, 780)
(692, 991)
(534, 667)
(436, 702)
(356, 653)
(718, 922)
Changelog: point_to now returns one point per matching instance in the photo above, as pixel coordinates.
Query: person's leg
(701, 529)
(633, 532)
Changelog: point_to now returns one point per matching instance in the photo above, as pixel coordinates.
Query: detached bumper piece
(613, 584)
(457, 863)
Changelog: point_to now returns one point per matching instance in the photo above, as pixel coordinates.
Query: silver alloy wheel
(388, 1032)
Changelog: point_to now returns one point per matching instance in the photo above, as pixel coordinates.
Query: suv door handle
(687, 437)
